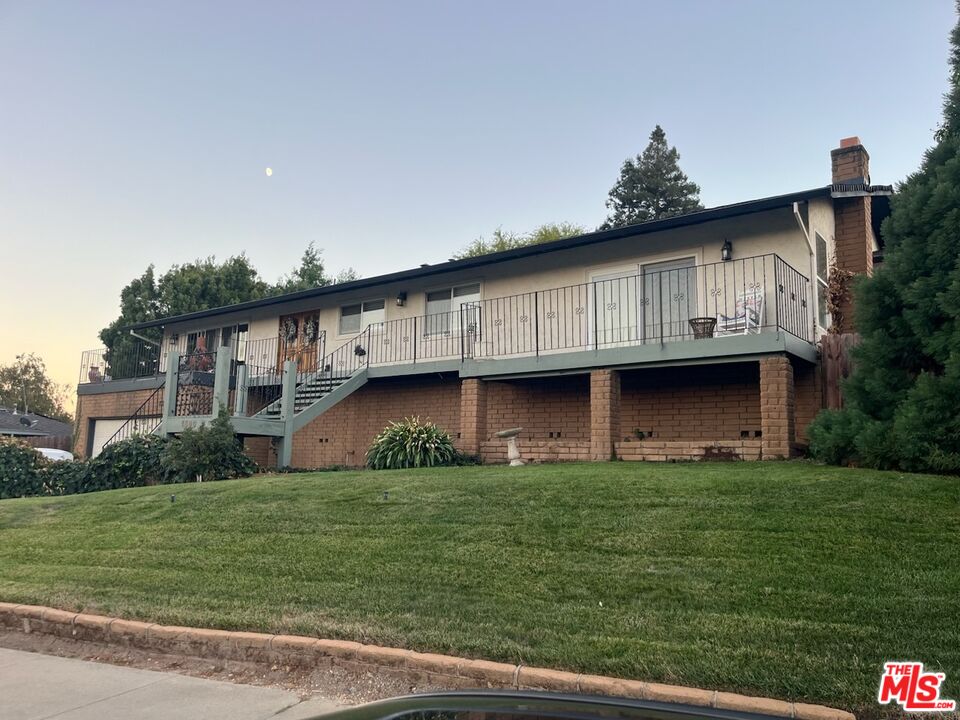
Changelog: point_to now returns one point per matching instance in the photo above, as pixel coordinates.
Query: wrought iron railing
(127, 360)
(738, 297)
(196, 373)
(144, 420)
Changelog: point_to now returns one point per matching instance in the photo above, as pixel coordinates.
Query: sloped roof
(600, 236)
(40, 425)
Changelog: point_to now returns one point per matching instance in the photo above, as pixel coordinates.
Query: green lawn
(788, 579)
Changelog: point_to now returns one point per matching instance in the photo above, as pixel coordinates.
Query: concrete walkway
(35, 687)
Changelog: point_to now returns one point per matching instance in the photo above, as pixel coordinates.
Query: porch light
(401, 299)
(726, 252)
(174, 337)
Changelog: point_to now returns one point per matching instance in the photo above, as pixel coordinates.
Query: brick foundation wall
(342, 435)
(537, 451)
(661, 450)
(696, 403)
(555, 408)
(103, 406)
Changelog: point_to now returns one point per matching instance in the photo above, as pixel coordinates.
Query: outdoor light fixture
(174, 337)
(726, 252)
(401, 299)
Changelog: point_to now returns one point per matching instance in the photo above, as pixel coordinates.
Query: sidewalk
(35, 687)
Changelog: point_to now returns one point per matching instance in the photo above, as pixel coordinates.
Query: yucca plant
(411, 443)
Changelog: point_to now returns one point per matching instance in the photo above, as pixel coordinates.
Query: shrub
(208, 452)
(20, 467)
(411, 443)
(134, 462)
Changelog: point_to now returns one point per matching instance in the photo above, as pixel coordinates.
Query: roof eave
(719, 213)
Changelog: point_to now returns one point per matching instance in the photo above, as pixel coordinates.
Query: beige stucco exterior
(770, 232)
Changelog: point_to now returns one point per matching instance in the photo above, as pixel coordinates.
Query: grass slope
(788, 580)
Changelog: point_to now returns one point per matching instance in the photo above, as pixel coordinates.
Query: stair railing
(144, 420)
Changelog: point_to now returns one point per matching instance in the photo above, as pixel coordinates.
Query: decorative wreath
(290, 330)
(311, 330)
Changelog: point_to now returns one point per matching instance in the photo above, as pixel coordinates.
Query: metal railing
(144, 420)
(127, 360)
(738, 297)
(195, 379)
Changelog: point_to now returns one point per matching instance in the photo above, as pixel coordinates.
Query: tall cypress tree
(651, 186)
(903, 398)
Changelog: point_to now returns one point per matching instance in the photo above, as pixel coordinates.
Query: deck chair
(747, 317)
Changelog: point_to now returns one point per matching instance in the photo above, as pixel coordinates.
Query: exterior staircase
(311, 390)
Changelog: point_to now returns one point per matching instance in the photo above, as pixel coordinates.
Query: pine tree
(651, 186)
(903, 398)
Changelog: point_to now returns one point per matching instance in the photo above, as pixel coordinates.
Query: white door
(616, 309)
(669, 299)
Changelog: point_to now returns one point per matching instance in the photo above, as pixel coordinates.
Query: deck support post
(221, 383)
(240, 396)
(287, 411)
(169, 391)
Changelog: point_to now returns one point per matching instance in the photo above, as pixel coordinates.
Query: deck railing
(737, 297)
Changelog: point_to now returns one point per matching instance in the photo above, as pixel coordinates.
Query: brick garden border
(443, 670)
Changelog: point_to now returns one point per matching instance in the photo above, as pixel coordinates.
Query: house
(37, 430)
(688, 337)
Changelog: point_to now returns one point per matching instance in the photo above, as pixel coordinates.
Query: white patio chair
(747, 317)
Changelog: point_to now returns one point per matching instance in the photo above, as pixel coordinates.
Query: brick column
(604, 413)
(473, 415)
(776, 407)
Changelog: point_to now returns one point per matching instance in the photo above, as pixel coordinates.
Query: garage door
(103, 430)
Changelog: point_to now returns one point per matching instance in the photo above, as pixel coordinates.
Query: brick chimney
(853, 233)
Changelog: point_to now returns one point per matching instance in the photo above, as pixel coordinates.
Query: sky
(397, 132)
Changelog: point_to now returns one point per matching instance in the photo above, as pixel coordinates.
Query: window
(823, 317)
(355, 318)
(443, 307)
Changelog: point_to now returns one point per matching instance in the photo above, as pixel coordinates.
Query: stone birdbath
(513, 452)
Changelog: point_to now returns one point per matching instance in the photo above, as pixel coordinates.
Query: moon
(269, 171)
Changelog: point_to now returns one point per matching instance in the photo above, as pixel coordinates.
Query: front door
(301, 340)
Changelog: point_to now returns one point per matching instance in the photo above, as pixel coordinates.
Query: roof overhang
(696, 218)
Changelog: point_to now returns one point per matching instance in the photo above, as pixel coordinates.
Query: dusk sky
(139, 133)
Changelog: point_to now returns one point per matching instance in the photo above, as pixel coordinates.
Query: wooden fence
(57, 442)
(836, 365)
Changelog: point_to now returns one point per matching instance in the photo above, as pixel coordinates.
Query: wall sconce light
(401, 299)
(174, 338)
(726, 252)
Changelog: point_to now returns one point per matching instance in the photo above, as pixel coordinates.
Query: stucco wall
(774, 231)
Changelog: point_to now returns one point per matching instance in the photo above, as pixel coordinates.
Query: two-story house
(688, 337)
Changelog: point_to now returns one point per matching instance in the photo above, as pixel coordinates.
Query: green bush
(411, 443)
(209, 452)
(20, 469)
(134, 462)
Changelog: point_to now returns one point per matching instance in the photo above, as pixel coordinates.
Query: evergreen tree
(651, 186)
(902, 401)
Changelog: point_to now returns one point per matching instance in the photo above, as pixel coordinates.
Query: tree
(311, 274)
(201, 285)
(501, 240)
(24, 385)
(651, 186)
(902, 399)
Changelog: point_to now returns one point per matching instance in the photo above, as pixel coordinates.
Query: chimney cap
(851, 141)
